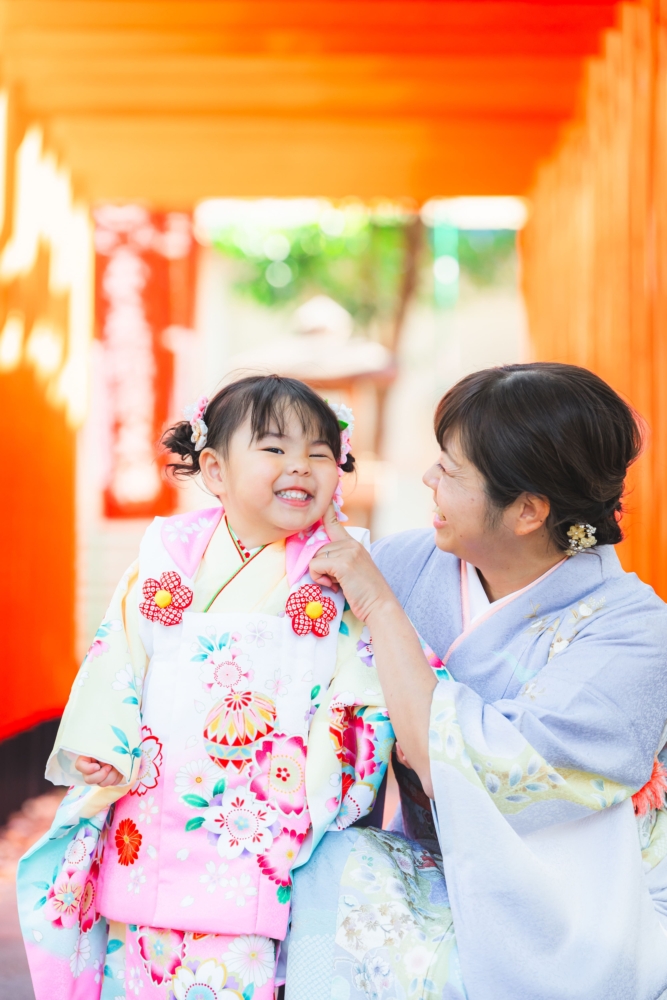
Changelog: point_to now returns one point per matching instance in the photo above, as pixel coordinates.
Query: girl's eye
(274, 451)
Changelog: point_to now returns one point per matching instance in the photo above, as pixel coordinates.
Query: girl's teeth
(293, 494)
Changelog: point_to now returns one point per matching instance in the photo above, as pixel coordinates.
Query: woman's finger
(332, 525)
(325, 581)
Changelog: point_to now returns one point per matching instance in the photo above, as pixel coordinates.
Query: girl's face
(275, 486)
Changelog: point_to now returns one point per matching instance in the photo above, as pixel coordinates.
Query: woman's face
(463, 520)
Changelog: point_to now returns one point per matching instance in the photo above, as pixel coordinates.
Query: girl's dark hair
(557, 431)
(266, 398)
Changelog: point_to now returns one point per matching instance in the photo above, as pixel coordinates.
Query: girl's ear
(212, 471)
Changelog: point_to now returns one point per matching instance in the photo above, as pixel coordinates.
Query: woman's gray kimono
(547, 718)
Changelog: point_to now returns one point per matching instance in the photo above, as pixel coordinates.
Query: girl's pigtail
(178, 440)
(187, 439)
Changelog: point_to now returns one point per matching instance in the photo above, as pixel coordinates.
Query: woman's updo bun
(266, 399)
(557, 431)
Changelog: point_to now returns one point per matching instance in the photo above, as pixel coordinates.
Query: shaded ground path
(22, 830)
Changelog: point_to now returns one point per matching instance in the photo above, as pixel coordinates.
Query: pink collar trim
(300, 549)
(186, 536)
(497, 606)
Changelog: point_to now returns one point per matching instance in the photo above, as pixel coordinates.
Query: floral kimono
(540, 870)
(239, 703)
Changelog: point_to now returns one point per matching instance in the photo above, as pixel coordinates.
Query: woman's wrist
(383, 611)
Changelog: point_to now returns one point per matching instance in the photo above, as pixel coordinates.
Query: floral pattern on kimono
(546, 719)
(66, 938)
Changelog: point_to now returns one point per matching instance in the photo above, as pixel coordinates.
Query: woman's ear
(212, 471)
(531, 513)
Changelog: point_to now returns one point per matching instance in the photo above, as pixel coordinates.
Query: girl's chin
(297, 515)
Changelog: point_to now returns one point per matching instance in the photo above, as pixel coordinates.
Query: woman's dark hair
(557, 431)
(266, 398)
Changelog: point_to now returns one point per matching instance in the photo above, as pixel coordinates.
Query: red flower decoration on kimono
(652, 795)
(310, 611)
(128, 842)
(165, 599)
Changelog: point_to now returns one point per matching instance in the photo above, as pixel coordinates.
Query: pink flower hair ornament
(195, 414)
(345, 418)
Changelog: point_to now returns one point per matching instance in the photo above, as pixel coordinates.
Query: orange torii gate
(169, 101)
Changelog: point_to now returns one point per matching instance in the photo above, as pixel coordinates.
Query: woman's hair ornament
(194, 413)
(582, 536)
(345, 418)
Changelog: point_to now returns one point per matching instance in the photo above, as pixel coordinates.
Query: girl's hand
(346, 562)
(96, 773)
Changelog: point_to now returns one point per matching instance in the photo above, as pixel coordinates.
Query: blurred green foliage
(484, 255)
(355, 256)
(360, 266)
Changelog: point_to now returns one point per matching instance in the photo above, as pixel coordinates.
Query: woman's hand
(96, 773)
(407, 679)
(346, 562)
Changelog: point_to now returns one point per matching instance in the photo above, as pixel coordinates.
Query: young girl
(226, 715)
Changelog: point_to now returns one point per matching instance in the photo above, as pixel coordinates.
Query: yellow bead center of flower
(163, 598)
(313, 609)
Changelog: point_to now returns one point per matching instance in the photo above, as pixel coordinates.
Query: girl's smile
(275, 485)
(295, 498)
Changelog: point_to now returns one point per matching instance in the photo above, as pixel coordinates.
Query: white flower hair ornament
(195, 414)
(582, 537)
(345, 418)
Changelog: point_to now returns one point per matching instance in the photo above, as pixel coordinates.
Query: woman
(530, 871)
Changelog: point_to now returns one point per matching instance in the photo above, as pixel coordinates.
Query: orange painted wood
(176, 100)
(595, 261)
(170, 101)
(38, 555)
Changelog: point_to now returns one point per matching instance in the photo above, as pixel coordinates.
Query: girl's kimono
(536, 876)
(234, 697)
